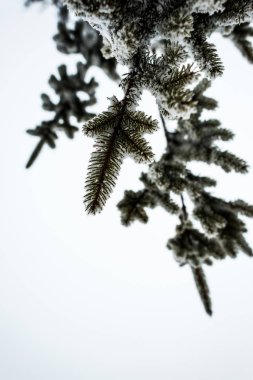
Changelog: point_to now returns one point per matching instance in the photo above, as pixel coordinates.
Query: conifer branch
(80, 38)
(68, 89)
(165, 45)
(207, 57)
(223, 231)
(117, 132)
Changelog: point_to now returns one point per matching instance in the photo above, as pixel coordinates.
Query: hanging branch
(79, 39)
(67, 87)
(166, 48)
(222, 231)
(118, 132)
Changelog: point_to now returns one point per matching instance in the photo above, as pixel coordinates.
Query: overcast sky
(84, 298)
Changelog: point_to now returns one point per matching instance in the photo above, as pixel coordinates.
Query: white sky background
(84, 298)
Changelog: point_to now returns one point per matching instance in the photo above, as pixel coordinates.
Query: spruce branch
(80, 38)
(117, 132)
(206, 55)
(222, 230)
(68, 88)
(166, 47)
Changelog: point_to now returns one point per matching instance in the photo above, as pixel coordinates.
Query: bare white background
(84, 297)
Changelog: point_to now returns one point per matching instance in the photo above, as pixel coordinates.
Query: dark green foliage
(222, 230)
(168, 79)
(117, 132)
(67, 87)
(205, 52)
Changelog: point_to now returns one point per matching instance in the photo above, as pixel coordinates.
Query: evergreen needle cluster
(118, 132)
(165, 45)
